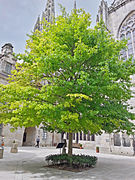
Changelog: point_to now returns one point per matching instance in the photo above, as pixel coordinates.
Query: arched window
(127, 31)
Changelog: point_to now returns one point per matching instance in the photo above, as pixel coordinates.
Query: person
(37, 140)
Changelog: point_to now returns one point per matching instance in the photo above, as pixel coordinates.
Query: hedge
(79, 161)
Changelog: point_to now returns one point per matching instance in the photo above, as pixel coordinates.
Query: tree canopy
(72, 79)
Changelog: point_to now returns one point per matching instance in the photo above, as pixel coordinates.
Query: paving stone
(29, 162)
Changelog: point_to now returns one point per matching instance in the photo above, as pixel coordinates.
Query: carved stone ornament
(117, 4)
(127, 31)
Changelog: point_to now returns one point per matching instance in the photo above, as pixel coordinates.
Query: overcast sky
(17, 17)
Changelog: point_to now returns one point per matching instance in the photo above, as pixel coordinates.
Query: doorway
(29, 136)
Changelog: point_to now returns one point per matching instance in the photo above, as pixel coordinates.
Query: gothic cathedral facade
(119, 19)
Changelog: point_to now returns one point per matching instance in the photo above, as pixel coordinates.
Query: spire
(103, 12)
(49, 12)
(75, 6)
(114, 1)
(37, 25)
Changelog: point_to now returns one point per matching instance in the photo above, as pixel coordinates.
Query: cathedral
(119, 19)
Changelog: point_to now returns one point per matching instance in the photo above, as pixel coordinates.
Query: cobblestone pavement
(29, 162)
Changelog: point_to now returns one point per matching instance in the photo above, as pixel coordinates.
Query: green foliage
(80, 145)
(77, 161)
(72, 79)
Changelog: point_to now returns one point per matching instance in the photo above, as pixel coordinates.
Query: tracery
(127, 31)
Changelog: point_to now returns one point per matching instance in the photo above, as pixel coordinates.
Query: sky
(18, 17)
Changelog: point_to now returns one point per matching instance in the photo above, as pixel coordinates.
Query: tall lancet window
(127, 31)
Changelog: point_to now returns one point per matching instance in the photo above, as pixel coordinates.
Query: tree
(72, 79)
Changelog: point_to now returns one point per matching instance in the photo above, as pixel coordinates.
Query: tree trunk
(70, 144)
(53, 139)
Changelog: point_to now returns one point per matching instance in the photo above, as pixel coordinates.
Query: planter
(97, 149)
(81, 147)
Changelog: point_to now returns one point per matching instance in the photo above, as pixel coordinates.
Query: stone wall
(116, 18)
(9, 136)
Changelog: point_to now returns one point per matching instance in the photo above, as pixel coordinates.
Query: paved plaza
(29, 164)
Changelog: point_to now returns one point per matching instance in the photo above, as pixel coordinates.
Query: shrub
(78, 161)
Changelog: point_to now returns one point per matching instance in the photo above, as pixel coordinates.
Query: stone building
(7, 63)
(47, 15)
(23, 136)
(119, 19)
